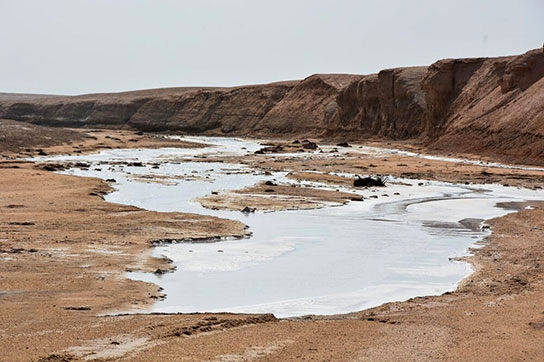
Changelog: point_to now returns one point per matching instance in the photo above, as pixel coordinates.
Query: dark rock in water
(160, 271)
(343, 144)
(42, 152)
(82, 165)
(135, 164)
(309, 145)
(52, 167)
(368, 182)
(247, 210)
(270, 149)
(215, 193)
(357, 198)
(111, 180)
(270, 183)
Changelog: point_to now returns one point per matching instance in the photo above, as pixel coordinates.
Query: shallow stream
(322, 261)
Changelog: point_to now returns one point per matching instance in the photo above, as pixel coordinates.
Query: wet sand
(64, 251)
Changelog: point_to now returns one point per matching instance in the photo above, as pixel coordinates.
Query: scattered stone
(111, 180)
(343, 144)
(368, 182)
(247, 210)
(57, 358)
(270, 183)
(270, 149)
(309, 145)
(82, 165)
(78, 308)
(52, 167)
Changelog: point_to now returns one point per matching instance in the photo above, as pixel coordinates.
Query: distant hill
(488, 106)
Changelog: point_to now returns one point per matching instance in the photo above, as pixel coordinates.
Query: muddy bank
(269, 196)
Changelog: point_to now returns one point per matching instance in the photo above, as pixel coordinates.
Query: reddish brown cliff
(492, 106)
(309, 107)
(389, 104)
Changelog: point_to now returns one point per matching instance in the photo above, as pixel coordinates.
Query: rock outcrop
(309, 107)
(490, 106)
(389, 104)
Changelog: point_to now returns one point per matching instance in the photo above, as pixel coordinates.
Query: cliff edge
(487, 106)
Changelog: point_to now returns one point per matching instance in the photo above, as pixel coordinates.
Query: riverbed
(402, 241)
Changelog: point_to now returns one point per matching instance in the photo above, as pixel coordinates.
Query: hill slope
(491, 106)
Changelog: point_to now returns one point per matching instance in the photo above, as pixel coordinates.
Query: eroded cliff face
(231, 110)
(494, 106)
(389, 104)
(309, 107)
(194, 110)
(491, 106)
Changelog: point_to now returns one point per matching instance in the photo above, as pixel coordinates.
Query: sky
(87, 46)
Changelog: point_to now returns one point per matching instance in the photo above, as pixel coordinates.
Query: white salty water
(323, 261)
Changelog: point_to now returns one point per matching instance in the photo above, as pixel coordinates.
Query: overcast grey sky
(81, 46)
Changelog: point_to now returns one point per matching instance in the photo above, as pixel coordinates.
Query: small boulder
(368, 182)
(309, 145)
(247, 210)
